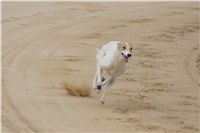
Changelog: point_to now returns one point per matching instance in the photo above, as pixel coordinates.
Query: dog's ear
(119, 45)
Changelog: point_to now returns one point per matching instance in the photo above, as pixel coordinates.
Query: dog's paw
(99, 87)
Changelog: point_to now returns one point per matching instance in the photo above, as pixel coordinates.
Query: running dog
(111, 58)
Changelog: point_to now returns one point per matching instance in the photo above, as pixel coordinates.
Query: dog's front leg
(106, 81)
(110, 83)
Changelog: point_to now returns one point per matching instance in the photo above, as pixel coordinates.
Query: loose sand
(45, 45)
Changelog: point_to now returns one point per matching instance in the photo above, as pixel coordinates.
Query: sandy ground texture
(47, 44)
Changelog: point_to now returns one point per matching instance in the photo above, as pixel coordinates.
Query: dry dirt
(47, 44)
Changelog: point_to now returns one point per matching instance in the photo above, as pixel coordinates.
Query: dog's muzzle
(125, 58)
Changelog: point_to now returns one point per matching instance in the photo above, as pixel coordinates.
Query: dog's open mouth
(125, 58)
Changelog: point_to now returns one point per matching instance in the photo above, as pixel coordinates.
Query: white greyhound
(112, 58)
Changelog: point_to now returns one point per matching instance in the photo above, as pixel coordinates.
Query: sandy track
(56, 42)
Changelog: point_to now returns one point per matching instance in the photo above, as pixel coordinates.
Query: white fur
(109, 59)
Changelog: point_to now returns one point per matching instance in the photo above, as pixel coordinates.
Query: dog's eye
(124, 47)
(130, 49)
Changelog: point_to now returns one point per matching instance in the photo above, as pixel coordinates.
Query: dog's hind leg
(94, 84)
(99, 82)
(110, 83)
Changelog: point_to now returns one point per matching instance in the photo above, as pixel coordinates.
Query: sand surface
(47, 44)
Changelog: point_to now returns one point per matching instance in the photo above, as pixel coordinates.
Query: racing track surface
(44, 46)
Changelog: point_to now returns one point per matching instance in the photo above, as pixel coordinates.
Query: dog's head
(126, 50)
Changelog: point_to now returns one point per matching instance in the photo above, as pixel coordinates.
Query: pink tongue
(125, 59)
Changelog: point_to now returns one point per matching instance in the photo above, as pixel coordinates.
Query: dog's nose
(129, 55)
